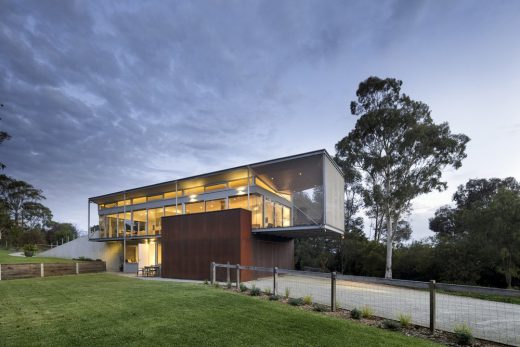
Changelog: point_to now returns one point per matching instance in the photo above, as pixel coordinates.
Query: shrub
(463, 334)
(29, 249)
(355, 314)
(274, 298)
(206, 282)
(391, 324)
(243, 287)
(405, 319)
(267, 291)
(295, 302)
(287, 293)
(367, 312)
(216, 285)
(320, 308)
(228, 285)
(307, 300)
(255, 291)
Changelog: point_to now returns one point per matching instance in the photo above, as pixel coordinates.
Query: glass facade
(304, 191)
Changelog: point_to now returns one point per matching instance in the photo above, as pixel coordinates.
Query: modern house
(248, 214)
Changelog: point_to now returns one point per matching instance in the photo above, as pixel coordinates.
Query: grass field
(109, 310)
(5, 258)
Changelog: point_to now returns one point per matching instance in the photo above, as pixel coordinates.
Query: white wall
(110, 252)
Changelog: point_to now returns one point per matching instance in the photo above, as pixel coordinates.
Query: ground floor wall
(191, 242)
(110, 252)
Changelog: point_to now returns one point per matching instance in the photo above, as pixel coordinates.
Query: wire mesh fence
(419, 302)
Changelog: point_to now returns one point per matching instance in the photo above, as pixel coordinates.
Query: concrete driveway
(489, 320)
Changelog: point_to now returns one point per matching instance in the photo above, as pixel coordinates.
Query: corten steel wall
(191, 242)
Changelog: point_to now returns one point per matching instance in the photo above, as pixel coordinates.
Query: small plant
(463, 335)
(228, 285)
(367, 312)
(405, 319)
(216, 285)
(267, 291)
(295, 301)
(307, 300)
(274, 298)
(320, 308)
(206, 282)
(255, 291)
(243, 287)
(29, 250)
(355, 314)
(287, 293)
(391, 324)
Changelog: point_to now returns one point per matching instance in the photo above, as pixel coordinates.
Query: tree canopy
(397, 149)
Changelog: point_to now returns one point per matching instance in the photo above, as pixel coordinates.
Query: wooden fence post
(238, 276)
(333, 291)
(77, 268)
(41, 270)
(432, 306)
(213, 272)
(275, 280)
(228, 274)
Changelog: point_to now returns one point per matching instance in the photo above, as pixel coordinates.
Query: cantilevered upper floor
(299, 195)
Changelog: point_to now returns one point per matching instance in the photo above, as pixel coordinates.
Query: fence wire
(390, 299)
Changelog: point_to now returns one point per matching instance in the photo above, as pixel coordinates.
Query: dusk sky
(102, 96)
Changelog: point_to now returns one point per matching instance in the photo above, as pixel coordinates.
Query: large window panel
(269, 214)
(154, 220)
(173, 210)
(194, 207)
(278, 215)
(112, 225)
(139, 223)
(334, 196)
(257, 206)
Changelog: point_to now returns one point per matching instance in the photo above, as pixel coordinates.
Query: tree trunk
(389, 247)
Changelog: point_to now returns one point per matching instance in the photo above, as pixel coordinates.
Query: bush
(320, 308)
(274, 298)
(367, 312)
(295, 302)
(307, 300)
(206, 282)
(228, 285)
(405, 319)
(216, 285)
(255, 291)
(391, 324)
(243, 287)
(463, 335)
(267, 291)
(287, 293)
(355, 314)
(29, 249)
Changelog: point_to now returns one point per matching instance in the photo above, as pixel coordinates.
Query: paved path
(489, 320)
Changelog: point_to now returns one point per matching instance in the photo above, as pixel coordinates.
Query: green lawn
(110, 310)
(5, 258)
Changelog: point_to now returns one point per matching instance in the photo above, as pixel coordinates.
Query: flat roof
(271, 161)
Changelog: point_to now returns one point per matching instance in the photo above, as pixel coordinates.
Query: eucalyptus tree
(397, 149)
(18, 197)
(3, 137)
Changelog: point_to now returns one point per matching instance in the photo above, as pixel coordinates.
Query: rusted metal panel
(191, 242)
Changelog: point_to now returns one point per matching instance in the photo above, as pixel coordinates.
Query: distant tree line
(23, 217)
(394, 154)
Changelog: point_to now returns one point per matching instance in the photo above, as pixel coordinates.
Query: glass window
(155, 197)
(238, 201)
(128, 223)
(136, 201)
(112, 225)
(102, 228)
(172, 210)
(286, 216)
(131, 254)
(120, 224)
(256, 203)
(213, 187)
(238, 183)
(194, 207)
(154, 220)
(278, 214)
(269, 214)
(124, 202)
(139, 223)
(110, 205)
(194, 191)
(170, 195)
(215, 205)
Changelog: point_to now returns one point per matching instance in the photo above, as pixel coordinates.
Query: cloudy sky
(102, 96)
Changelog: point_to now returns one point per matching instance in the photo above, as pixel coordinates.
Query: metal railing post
(432, 306)
(228, 274)
(275, 280)
(77, 268)
(42, 273)
(238, 276)
(213, 272)
(333, 291)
